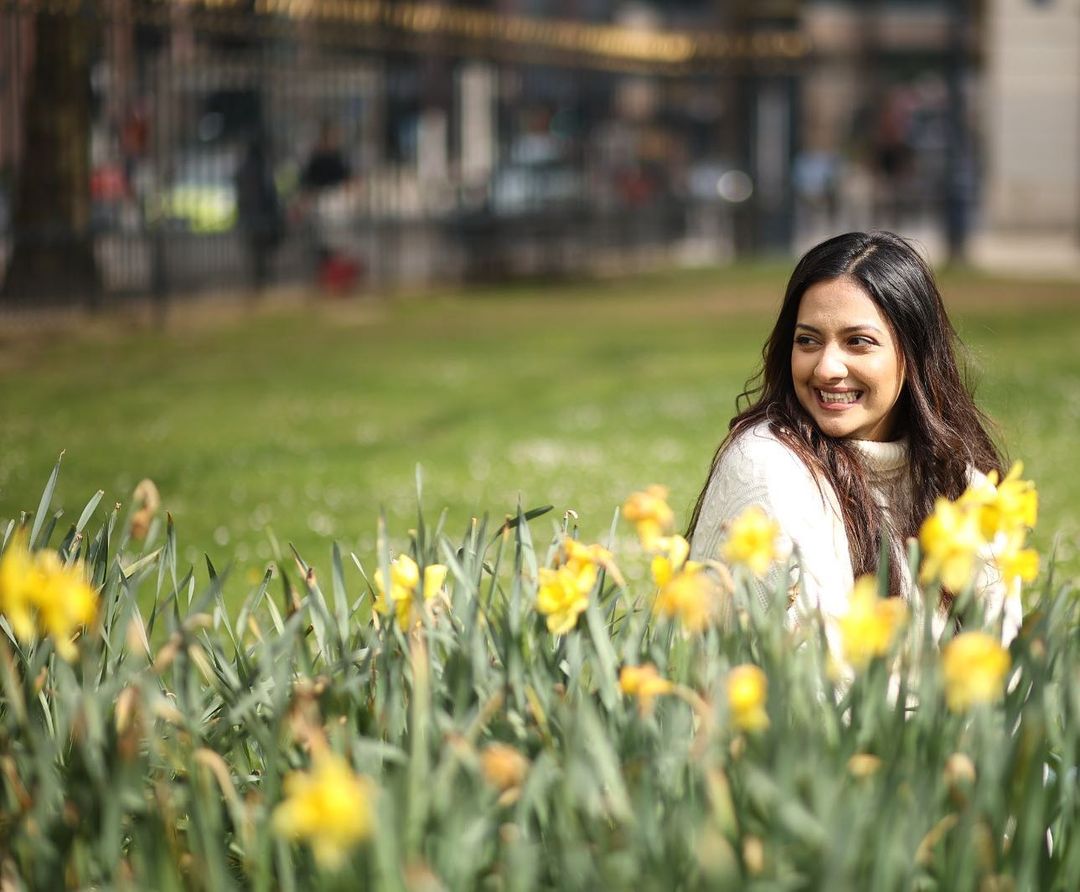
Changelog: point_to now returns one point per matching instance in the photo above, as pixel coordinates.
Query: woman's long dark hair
(947, 434)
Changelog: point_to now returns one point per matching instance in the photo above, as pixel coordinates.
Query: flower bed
(504, 711)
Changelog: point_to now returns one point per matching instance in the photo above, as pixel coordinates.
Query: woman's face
(846, 366)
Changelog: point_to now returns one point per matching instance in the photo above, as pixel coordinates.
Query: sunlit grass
(309, 420)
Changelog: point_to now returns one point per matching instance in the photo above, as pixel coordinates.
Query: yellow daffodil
(503, 767)
(65, 601)
(1003, 508)
(578, 554)
(691, 596)
(672, 552)
(950, 539)
(330, 807)
(1018, 563)
(17, 575)
(868, 628)
(404, 577)
(959, 770)
(1018, 500)
(148, 500)
(650, 513)
(434, 579)
(1005, 512)
(863, 765)
(974, 666)
(404, 583)
(40, 595)
(585, 554)
(747, 691)
(988, 523)
(563, 594)
(645, 683)
(752, 541)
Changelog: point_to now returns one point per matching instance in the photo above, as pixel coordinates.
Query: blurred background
(166, 147)
(531, 245)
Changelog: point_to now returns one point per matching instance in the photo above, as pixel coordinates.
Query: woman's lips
(837, 400)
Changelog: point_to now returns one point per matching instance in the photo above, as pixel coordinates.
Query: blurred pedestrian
(326, 205)
(894, 156)
(258, 212)
(326, 167)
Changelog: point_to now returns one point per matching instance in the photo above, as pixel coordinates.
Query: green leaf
(605, 653)
(520, 519)
(43, 505)
(341, 597)
(141, 563)
(89, 510)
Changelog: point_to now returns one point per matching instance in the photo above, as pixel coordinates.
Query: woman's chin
(837, 428)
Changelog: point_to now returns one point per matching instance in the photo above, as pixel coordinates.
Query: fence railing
(234, 145)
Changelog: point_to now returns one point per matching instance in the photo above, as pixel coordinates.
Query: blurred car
(201, 194)
(518, 189)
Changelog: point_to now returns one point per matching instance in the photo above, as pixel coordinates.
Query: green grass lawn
(308, 420)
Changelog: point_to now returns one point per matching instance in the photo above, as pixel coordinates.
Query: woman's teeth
(849, 396)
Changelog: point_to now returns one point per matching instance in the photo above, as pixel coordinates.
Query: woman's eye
(862, 341)
(803, 340)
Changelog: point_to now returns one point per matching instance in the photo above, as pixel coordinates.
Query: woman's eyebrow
(863, 326)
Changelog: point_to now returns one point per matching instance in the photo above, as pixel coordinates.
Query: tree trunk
(53, 257)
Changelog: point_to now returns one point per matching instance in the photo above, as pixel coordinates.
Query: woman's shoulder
(756, 466)
(760, 451)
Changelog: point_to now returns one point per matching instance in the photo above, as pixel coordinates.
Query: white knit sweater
(758, 469)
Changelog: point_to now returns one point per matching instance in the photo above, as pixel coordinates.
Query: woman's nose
(831, 364)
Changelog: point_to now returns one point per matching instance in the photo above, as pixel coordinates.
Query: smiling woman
(845, 366)
(857, 422)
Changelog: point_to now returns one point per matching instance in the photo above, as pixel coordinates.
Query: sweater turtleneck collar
(883, 461)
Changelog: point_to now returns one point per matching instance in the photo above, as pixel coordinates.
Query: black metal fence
(164, 147)
(158, 148)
